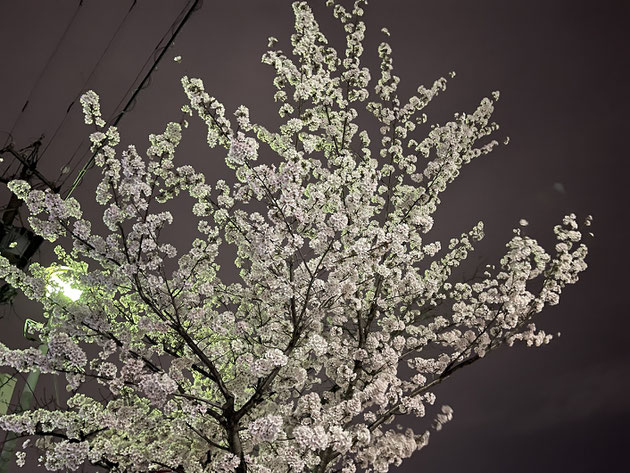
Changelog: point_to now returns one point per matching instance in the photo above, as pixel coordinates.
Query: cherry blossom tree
(345, 316)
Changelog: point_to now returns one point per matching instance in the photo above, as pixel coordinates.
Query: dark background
(561, 67)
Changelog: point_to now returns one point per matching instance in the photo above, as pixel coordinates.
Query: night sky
(562, 69)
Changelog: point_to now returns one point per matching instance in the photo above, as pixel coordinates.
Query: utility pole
(18, 245)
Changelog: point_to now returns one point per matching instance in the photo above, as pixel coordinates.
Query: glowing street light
(60, 281)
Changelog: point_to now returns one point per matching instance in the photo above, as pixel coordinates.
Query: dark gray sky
(562, 69)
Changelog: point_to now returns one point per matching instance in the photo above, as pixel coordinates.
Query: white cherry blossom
(345, 313)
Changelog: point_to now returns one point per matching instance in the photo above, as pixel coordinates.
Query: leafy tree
(345, 315)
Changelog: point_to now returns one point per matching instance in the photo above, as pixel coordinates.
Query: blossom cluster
(346, 313)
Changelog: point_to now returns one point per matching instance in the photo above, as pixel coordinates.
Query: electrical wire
(67, 170)
(81, 89)
(160, 51)
(45, 68)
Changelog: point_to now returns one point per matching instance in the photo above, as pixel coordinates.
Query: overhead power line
(194, 5)
(45, 68)
(86, 81)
